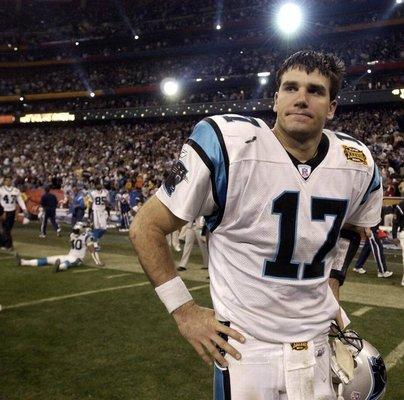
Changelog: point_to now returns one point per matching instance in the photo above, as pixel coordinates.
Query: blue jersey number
(286, 206)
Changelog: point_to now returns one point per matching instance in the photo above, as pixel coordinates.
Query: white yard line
(80, 271)
(198, 287)
(117, 275)
(394, 356)
(362, 311)
(70, 296)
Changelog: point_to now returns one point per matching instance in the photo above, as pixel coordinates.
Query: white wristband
(173, 294)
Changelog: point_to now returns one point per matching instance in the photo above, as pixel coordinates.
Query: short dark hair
(328, 65)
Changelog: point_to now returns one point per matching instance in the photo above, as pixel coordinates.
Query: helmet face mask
(370, 377)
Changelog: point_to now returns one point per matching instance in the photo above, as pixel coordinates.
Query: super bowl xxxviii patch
(355, 155)
(299, 346)
(177, 175)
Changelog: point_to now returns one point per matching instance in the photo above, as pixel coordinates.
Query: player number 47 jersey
(274, 223)
(9, 196)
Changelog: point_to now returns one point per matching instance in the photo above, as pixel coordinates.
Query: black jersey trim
(322, 151)
(206, 160)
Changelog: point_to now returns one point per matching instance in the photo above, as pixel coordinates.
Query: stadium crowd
(138, 155)
(61, 21)
(232, 63)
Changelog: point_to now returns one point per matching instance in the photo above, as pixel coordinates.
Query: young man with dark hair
(284, 208)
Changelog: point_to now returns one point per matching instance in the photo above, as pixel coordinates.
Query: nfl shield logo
(305, 170)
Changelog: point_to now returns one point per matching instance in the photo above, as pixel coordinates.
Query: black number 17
(286, 206)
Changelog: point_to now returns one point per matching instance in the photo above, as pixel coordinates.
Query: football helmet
(79, 227)
(369, 379)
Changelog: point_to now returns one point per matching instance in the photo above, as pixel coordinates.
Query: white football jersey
(78, 244)
(9, 196)
(274, 223)
(99, 199)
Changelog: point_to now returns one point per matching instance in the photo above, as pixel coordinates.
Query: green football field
(91, 333)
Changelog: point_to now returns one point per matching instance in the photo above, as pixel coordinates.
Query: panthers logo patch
(355, 155)
(177, 175)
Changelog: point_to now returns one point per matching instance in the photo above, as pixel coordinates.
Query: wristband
(173, 294)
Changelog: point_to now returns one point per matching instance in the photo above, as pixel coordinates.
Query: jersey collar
(322, 151)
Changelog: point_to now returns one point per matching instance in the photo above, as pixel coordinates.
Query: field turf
(91, 333)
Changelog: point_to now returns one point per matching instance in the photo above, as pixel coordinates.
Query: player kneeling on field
(80, 241)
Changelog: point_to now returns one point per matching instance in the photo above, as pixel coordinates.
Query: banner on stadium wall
(34, 199)
(47, 117)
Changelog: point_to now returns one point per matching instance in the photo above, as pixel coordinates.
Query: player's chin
(301, 131)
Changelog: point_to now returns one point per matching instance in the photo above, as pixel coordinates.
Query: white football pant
(261, 372)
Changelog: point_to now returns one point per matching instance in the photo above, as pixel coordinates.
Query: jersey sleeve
(198, 178)
(368, 212)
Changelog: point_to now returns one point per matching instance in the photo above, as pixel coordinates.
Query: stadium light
(289, 18)
(92, 94)
(263, 80)
(169, 87)
(16, 48)
(77, 43)
(136, 37)
(369, 71)
(22, 98)
(218, 27)
(263, 74)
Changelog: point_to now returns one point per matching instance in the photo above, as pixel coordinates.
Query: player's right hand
(200, 327)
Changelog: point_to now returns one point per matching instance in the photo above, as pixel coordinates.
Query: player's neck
(303, 151)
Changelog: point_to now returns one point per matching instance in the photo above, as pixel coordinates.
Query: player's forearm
(153, 252)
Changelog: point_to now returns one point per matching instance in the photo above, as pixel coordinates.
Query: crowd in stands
(86, 76)
(139, 154)
(36, 23)
(214, 94)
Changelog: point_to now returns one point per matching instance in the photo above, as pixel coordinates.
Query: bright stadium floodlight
(289, 18)
(136, 37)
(92, 94)
(369, 71)
(263, 80)
(263, 74)
(218, 27)
(169, 87)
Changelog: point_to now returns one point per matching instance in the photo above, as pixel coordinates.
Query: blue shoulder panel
(207, 140)
(373, 185)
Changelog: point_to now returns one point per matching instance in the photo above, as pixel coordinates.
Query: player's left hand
(200, 327)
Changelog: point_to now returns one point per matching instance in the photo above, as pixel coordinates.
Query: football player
(80, 242)
(123, 208)
(99, 203)
(10, 196)
(285, 208)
